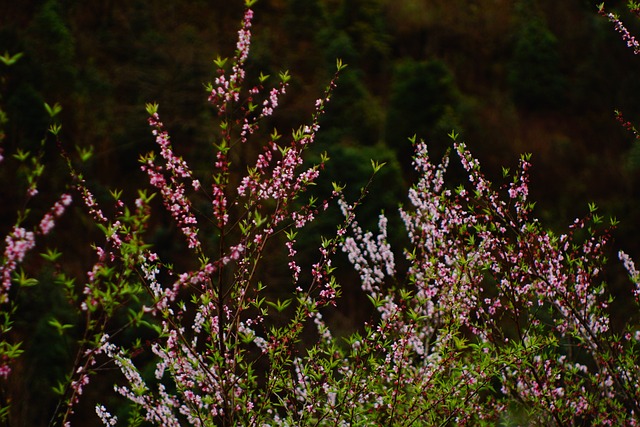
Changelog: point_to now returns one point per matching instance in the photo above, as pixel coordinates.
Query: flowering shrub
(630, 39)
(492, 320)
(20, 239)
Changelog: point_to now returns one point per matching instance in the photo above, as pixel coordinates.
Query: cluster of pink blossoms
(632, 43)
(171, 188)
(477, 260)
(228, 90)
(20, 241)
(371, 257)
(48, 220)
(221, 312)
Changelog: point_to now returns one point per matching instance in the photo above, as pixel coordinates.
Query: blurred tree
(46, 73)
(535, 76)
(48, 355)
(423, 98)
(363, 21)
(356, 33)
(53, 48)
(355, 115)
(304, 17)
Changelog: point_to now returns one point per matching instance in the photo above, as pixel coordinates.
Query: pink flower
(19, 241)
(5, 370)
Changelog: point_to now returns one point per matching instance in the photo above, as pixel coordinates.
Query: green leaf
(291, 234)
(51, 255)
(284, 76)
(21, 155)
(244, 227)
(377, 166)
(85, 153)
(376, 301)
(59, 326)
(55, 129)
(597, 219)
(25, 281)
(116, 194)
(11, 351)
(337, 187)
(258, 219)
(53, 111)
(279, 305)
(297, 135)
(220, 62)
(9, 60)
(145, 197)
(152, 108)
(60, 388)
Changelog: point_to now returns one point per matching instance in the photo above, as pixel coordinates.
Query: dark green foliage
(22, 104)
(535, 76)
(363, 20)
(54, 50)
(48, 355)
(355, 33)
(354, 116)
(304, 17)
(422, 94)
(363, 23)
